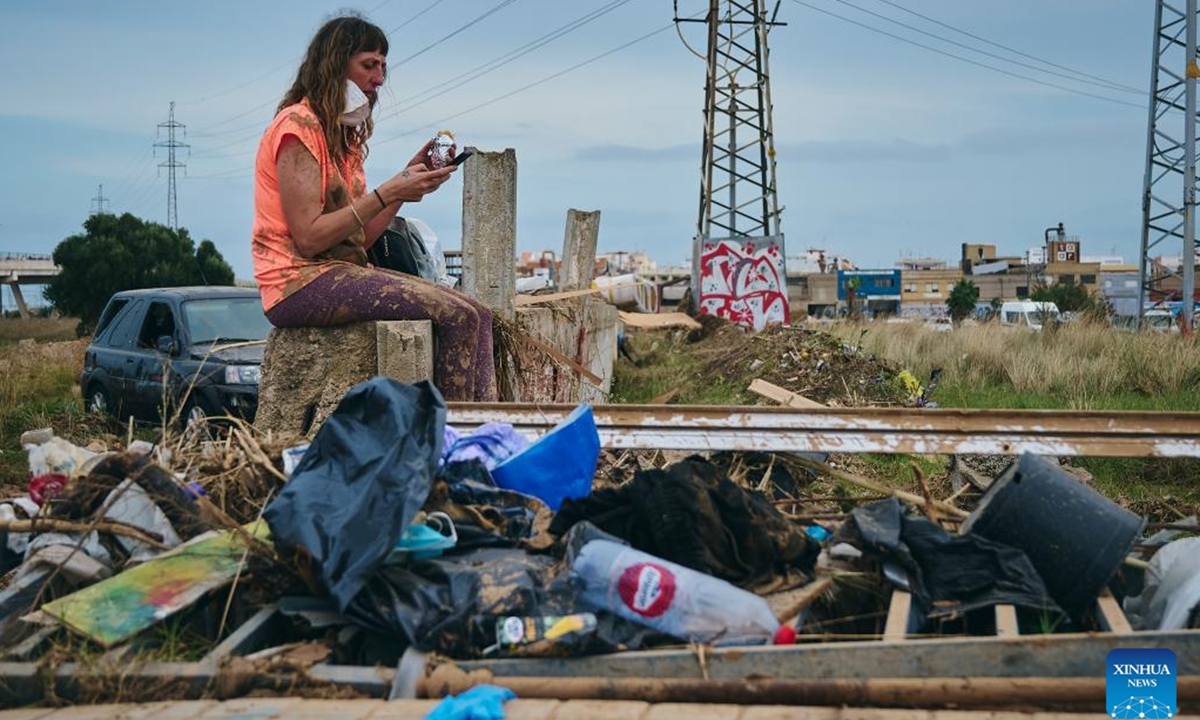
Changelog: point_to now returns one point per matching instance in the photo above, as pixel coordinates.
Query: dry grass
(1079, 365)
(41, 329)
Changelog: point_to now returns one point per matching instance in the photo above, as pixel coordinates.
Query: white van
(1028, 313)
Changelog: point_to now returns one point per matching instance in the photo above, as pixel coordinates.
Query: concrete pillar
(21, 307)
(579, 250)
(405, 349)
(489, 236)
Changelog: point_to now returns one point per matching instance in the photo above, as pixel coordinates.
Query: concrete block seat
(306, 371)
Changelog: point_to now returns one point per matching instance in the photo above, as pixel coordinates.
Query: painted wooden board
(651, 321)
(116, 609)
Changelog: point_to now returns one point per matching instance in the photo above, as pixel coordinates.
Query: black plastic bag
(948, 574)
(364, 478)
(432, 603)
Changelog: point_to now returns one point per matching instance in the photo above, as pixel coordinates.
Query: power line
(973, 36)
(500, 61)
(487, 67)
(495, 9)
(969, 60)
(533, 84)
(205, 130)
(1104, 83)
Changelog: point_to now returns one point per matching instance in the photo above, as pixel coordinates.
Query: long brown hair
(321, 80)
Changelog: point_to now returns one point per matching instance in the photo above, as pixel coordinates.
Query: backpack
(401, 249)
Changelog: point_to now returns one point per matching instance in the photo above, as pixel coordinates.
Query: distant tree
(125, 253)
(1068, 296)
(962, 299)
(852, 286)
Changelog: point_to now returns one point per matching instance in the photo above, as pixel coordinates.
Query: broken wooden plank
(1006, 621)
(787, 605)
(1111, 617)
(899, 614)
(526, 300)
(655, 321)
(782, 396)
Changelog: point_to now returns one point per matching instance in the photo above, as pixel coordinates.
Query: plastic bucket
(1073, 535)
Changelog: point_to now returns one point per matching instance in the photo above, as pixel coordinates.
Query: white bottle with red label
(670, 598)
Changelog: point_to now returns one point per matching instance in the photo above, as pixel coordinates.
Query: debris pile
(392, 533)
(811, 363)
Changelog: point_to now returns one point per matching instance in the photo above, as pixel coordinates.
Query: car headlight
(242, 374)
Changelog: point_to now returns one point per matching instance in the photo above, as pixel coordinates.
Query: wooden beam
(655, 321)
(1110, 614)
(899, 612)
(1006, 621)
(781, 395)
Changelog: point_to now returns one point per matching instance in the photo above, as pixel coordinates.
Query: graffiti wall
(744, 280)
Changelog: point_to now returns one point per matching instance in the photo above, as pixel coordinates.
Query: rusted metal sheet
(863, 430)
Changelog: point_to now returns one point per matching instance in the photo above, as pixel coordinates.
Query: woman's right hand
(415, 182)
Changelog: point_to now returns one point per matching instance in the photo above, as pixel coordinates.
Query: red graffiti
(744, 283)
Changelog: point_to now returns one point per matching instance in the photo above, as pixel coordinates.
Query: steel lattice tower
(737, 171)
(171, 144)
(1169, 196)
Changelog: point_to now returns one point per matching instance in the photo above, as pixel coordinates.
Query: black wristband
(381, 202)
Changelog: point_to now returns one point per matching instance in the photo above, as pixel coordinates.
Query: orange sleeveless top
(278, 267)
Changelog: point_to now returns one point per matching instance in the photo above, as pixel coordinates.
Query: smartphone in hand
(461, 157)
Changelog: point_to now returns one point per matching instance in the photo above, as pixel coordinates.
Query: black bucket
(1073, 535)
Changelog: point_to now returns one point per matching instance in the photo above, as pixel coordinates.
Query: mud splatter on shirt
(278, 267)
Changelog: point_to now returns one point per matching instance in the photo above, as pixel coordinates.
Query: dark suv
(197, 349)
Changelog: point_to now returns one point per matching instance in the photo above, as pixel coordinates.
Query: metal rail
(862, 430)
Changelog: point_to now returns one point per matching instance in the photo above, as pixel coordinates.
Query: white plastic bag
(433, 246)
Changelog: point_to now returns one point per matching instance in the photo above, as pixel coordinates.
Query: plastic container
(559, 465)
(670, 598)
(1073, 535)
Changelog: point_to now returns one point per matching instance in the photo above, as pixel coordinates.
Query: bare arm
(300, 191)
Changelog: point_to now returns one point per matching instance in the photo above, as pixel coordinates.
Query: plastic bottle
(672, 599)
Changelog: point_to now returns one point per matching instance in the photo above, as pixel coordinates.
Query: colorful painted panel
(118, 608)
(744, 280)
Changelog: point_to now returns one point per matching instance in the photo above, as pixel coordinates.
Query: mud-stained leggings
(462, 327)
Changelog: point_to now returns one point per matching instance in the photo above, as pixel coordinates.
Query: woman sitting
(314, 216)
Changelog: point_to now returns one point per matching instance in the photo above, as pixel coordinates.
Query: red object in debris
(46, 487)
(785, 635)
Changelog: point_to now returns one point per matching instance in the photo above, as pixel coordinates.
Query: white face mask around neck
(358, 106)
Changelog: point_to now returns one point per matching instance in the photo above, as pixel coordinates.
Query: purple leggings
(462, 327)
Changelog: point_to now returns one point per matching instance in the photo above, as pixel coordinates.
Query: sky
(885, 149)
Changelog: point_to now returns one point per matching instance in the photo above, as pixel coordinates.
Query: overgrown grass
(13, 330)
(37, 389)
(1076, 366)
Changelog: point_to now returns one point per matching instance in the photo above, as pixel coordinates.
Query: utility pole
(738, 256)
(1169, 190)
(99, 200)
(171, 144)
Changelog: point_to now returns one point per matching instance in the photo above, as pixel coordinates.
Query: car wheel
(197, 416)
(99, 400)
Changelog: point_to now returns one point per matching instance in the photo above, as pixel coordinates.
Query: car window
(160, 321)
(125, 325)
(110, 311)
(225, 320)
